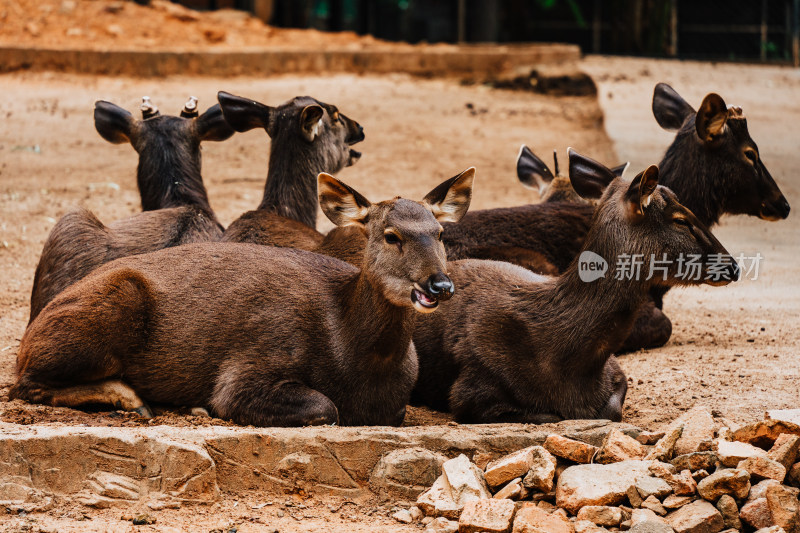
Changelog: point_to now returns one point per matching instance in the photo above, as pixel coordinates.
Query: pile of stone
(701, 475)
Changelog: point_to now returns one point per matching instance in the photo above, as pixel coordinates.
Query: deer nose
(784, 208)
(440, 286)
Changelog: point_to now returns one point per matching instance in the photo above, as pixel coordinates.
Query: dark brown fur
(513, 346)
(308, 137)
(172, 193)
(261, 335)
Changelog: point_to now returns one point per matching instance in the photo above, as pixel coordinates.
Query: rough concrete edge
(464, 61)
(169, 464)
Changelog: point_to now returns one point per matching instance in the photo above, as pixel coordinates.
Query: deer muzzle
(437, 288)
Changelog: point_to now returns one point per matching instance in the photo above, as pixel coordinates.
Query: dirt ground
(733, 348)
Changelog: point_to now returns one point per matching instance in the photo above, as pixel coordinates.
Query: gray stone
(597, 484)
(506, 468)
(532, 519)
(652, 486)
(730, 511)
(784, 507)
(697, 517)
(733, 482)
(491, 516)
(785, 450)
(695, 461)
(664, 449)
(442, 525)
(763, 468)
(673, 501)
(732, 453)
(512, 491)
(465, 480)
(438, 500)
(403, 516)
(602, 515)
(570, 449)
(619, 447)
(542, 471)
(406, 473)
(756, 514)
(654, 505)
(699, 427)
(651, 527)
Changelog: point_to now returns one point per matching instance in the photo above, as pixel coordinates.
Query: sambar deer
(174, 199)
(261, 335)
(307, 137)
(513, 346)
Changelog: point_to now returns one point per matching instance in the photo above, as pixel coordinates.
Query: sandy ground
(733, 348)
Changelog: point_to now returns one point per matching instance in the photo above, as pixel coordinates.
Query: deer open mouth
(423, 302)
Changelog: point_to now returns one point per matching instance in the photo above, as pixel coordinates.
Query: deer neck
(373, 327)
(291, 187)
(170, 177)
(593, 318)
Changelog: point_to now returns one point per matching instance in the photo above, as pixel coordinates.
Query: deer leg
(111, 392)
(651, 329)
(244, 396)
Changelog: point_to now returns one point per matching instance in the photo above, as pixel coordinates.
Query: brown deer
(172, 192)
(513, 346)
(261, 335)
(713, 166)
(308, 137)
(534, 173)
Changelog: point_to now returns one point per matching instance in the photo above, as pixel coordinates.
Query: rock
(573, 450)
(730, 511)
(765, 433)
(784, 507)
(114, 30)
(732, 453)
(651, 527)
(733, 482)
(143, 520)
(547, 506)
(756, 513)
(492, 516)
(759, 490)
(785, 450)
(654, 505)
(584, 526)
(791, 416)
(652, 486)
(510, 466)
(700, 475)
(645, 515)
(794, 474)
(602, 515)
(662, 470)
(698, 427)
(617, 447)
(406, 473)
(695, 461)
(674, 501)
(697, 517)
(416, 513)
(665, 447)
(442, 525)
(542, 471)
(594, 484)
(465, 480)
(634, 497)
(763, 468)
(403, 516)
(438, 500)
(649, 438)
(773, 529)
(682, 484)
(67, 7)
(531, 519)
(512, 491)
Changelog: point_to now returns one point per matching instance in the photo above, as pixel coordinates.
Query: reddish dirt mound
(118, 24)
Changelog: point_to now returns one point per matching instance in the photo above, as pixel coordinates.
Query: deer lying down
(172, 193)
(534, 173)
(261, 335)
(513, 346)
(308, 137)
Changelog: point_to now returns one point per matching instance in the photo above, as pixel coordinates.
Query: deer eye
(392, 238)
(751, 155)
(682, 222)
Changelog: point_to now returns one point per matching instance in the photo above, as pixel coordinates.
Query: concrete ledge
(471, 61)
(165, 466)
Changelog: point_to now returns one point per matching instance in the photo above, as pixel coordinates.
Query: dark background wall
(764, 30)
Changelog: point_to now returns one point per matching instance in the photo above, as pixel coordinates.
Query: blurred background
(735, 30)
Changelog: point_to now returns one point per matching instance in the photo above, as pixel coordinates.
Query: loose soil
(733, 348)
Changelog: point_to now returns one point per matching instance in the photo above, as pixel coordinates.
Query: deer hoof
(144, 411)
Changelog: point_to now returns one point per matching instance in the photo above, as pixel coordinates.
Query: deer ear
(669, 108)
(588, 177)
(243, 114)
(640, 192)
(532, 172)
(112, 122)
(450, 200)
(212, 126)
(311, 122)
(342, 204)
(711, 117)
(620, 170)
